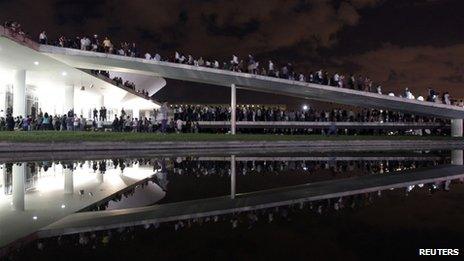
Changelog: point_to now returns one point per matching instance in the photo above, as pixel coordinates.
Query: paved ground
(79, 136)
(20, 142)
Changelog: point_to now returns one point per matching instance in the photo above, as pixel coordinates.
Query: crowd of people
(188, 118)
(118, 81)
(15, 28)
(185, 118)
(249, 65)
(187, 115)
(44, 121)
(275, 113)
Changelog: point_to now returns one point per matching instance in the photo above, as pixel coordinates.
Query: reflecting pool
(53, 198)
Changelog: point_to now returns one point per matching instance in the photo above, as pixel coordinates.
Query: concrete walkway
(170, 146)
(184, 72)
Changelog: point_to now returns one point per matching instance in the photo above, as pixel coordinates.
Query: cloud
(348, 14)
(365, 3)
(415, 67)
(204, 27)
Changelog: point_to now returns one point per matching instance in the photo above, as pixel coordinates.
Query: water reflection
(203, 177)
(36, 194)
(241, 221)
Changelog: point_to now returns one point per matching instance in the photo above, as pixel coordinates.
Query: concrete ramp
(102, 61)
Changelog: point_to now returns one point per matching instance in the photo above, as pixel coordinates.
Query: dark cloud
(414, 43)
(415, 67)
(224, 26)
(76, 13)
(229, 29)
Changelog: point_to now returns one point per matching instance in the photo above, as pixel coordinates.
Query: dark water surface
(385, 223)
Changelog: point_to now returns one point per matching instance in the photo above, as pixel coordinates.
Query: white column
(3, 106)
(19, 93)
(233, 107)
(136, 113)
(232, 176)
(102, 104)
(457, 157)
(102, 100)
(68, 180)
(68, 98)
(19, 184)
(100, 178)
(456, 127)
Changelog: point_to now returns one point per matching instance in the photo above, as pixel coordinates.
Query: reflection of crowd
(195, 168)
(200, 169)
(110, 240)
(127, 193)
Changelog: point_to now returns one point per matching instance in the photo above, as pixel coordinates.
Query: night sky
(400, 43)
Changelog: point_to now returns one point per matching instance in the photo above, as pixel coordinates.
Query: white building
(31, 81)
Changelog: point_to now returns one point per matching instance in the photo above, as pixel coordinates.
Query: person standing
(179, 124)
(95, 114)
(107, 45)
(271, 68)
(115, 123)
(95, 43)
(446, 98)
(25, 123)
(76, 121)
(164, 117)
(104, 113)
(43, 38)
(101, 113)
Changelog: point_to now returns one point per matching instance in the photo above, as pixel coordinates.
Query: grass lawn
(56, 136)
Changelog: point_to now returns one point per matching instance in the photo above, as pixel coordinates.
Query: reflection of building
(35, 194)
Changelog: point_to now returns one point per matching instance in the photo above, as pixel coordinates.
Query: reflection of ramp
(142, 196)
(81, 222)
